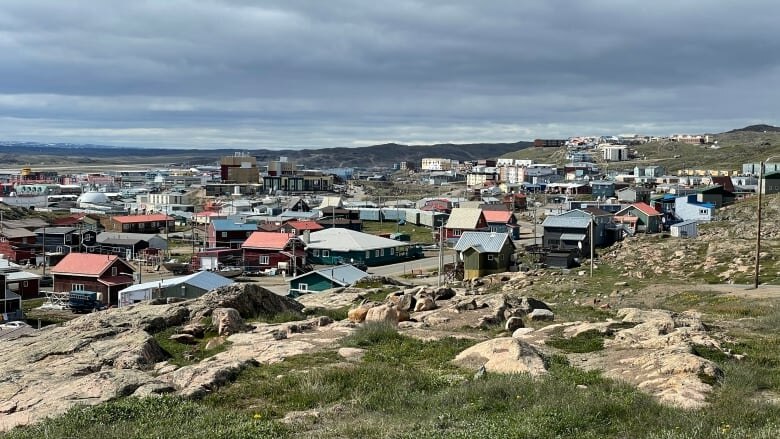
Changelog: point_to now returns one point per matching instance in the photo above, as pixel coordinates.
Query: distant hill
(32, 153)
(761, 128)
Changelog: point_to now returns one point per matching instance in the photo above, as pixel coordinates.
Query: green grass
(183, 354)
(588, 341)
(417, 234)
(334, 313)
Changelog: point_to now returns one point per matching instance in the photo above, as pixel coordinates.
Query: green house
(325, 278)
(485, 253)
(336, 246)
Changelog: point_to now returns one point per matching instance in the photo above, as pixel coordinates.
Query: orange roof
(85, 263)
(142, 218)
(646, 209)
(305, 225)
(267, 240)
(497, 216)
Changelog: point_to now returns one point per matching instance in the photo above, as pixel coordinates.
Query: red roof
(646, 209)
(497, 216)
(85, 263)
(68, 220)
(268, 240)
(305, 225)
(142, 218)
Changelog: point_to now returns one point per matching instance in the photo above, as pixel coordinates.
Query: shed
(187, 287)
(685, 229)
(326, 278)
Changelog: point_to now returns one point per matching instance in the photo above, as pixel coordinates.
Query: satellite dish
(579, 244)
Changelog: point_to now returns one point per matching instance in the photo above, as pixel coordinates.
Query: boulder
(425, 303)
(513, 323)
(406, 302)
(358, 315)
(249, 299)
(541, 315)
(227, 321)
(382, 313)
(528, 304)
(503, 355)
(522, 332)
(214, 343)
(351, 354)
(444, 293)
(195, 329)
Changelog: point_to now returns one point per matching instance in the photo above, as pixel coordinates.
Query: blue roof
(483, 242)
(230, 225)
(568, 221)
(342, 275)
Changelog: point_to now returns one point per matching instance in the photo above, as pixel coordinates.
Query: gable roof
(483, 242)
(345, 240)
(646, 209)
(464, 218)
(305, 225)
(268, 240)
(128, 219)
(16, 233)
(205, 280)
(567, 221)
(497, 216)
(342, 275)
(87, 264)
(595, 211)
(227, 225)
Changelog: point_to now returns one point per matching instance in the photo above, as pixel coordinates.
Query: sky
(311, 73)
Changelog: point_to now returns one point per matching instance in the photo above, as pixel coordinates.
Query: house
(228, 233)
(634, 194)
(103, 274)
(19, 284)
(463, 219)
(153, 223)
(18, 245)
(338, 245)
(716, 195)
(567, 232)
(640, 217)
(263, 250)
(326, 278)
(300, 227)
(605, 232)
(338, 217)
(485, 253)
(437, 205)
(601, 190)
(688, 208)
(771, 183)
(685, 229)
(502, 221)
(297, 204)
(183, 287)
(127, 245)
(63, 240)
(217, 258)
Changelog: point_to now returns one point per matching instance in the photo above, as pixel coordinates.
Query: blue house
(689, 208)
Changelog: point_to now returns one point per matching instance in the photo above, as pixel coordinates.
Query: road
(423, 264)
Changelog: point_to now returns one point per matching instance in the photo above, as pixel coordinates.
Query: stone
(183, 338)
(541, 315)
(503, 355)
(403, 316)
(424, 304)
(351, 354)
(406, 302)
(357, 315)
(382, 313)
(324, 321)
(514, 323)
(195, 329)
(227, 321)
(214, 343)
(529, 304)
(522, 332)
(444, 293)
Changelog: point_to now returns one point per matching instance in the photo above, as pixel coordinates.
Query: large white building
(436, 164)
(614, 153)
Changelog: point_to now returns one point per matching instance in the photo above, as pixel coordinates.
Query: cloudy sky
(299, 73)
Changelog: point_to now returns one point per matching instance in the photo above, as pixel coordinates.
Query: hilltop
(32, 153)
(730, 150)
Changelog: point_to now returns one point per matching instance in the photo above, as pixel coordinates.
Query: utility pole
(758, 226)
(592, 220)
(441, 254)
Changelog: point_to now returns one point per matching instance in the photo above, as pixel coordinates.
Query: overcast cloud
(277, 74)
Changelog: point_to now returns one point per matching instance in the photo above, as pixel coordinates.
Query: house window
(264, 260)
(315, 252)
(553, 242)
(24, 284)
(77, 287)
(490, 257)
(303, 287)
(368, 254)
(114, 271)
(376, 253)
(326, 253)
(68, 238)
(224, 234)
(392, 251)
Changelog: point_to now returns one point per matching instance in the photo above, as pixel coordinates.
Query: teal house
(344, 246)
(325, 278)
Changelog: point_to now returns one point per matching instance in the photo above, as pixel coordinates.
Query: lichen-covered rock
(503, 355)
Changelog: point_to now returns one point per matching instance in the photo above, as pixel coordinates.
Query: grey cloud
(313, 73)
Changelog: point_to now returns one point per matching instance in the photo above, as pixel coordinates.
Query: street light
(762, 165)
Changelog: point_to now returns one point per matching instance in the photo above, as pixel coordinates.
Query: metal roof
(344, 240)
(205, 280)
(572, 236)
(340, 274)
(483, 242)
(568, 221)
(230, 225)
(464, 218)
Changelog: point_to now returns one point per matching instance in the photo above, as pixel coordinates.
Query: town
(99, 243)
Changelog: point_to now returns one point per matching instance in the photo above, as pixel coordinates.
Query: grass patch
(588, 341)
(184, 354)
(334, 313)
(281, 317)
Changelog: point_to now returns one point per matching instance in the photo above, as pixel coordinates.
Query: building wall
(691, 211)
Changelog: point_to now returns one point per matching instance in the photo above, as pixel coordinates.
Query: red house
(464, 219)
(502, 221)
(299, 227)
(18, 245)
(103, 274)
(264, 250)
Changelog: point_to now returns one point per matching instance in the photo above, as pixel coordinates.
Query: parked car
(14, 325)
